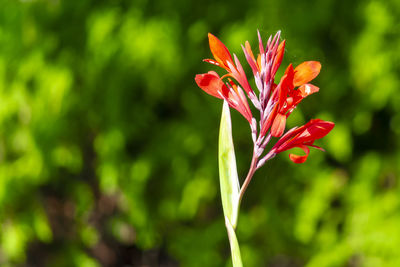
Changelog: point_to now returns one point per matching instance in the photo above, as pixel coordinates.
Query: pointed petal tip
(307, 89)
(210, 36)
(220, 51)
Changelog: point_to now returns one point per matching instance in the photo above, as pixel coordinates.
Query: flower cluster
(274, 101)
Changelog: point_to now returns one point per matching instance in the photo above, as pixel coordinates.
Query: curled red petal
(211, 83)
(306, 72)
(300, 159)
(219, 51)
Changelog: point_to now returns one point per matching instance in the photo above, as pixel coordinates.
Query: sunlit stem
(253, 168)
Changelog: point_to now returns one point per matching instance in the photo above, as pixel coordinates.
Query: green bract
(228, 176)
(229, 182)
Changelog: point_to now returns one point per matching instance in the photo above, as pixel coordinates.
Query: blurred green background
(108, 149)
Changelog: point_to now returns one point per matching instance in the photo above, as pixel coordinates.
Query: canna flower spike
(274, 101)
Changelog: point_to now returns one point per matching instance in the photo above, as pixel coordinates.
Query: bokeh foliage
(108, 151)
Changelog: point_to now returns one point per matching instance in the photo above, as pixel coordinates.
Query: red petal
(219, 51)
(285, 85)
(300, 159)
(237, 100)
(250, 58)
(248, 49)
(260, 43)
(210, 83)
(279, 57)
(240, 75)
(304, 135)
(244, 105)
(303, 91)
(315, 129)
(259, 60)
(278, 126)
(306, 72)
(269, 121)
(307, 89)
(283, 142)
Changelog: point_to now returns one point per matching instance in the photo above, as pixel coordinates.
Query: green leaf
(228, 176)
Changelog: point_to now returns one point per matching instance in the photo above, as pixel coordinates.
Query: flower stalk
(252, 170)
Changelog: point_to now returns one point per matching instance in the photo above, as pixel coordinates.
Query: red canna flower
(224, 60)
(212, 84)
(289, 98)
(303, 137)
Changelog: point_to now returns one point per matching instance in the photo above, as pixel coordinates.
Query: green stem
(234, 244)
